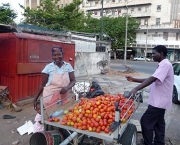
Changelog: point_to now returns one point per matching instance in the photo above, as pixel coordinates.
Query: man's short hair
(161, 48)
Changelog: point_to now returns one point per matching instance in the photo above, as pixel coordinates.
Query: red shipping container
(22, 58)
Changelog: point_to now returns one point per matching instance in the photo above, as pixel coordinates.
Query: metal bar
(146, 41)
(69, 139)
(42, 110)
(102, 20)
(125, 49)
(127, 111)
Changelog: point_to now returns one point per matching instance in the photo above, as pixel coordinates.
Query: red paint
(22, 57)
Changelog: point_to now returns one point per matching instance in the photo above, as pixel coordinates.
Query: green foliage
(7, 15)
(49, 15)
(116, 27)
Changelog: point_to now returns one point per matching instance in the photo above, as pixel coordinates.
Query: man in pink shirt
(160, 97)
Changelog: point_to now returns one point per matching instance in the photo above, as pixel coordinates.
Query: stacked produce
(97, 114)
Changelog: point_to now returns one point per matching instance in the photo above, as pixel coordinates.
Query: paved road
(138, 66)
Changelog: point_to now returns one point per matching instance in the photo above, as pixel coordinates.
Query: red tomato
(103, 128)
(84, 127)
(106, 130)
(105, 123)
(101, 123)
(98, 130)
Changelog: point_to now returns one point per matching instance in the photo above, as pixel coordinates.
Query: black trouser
(153, 120)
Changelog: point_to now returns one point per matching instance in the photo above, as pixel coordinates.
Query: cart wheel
(129, 135)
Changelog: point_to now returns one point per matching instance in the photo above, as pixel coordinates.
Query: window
(100, 49)
(139, 20)
(177, 36)
(146, 8)
(107, 1)
(113, 12)
(165, 35)
(27, 2)
(95, 13)
(155, 35)
(158, 8)
(61, 5)
(158, 21)
(132, 10)
(146, 22)
(176, 68)
(108, 12)
(119, 11)
(96, 2)
(113, 0)
(139, 9)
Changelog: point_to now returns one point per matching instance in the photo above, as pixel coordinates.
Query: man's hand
(133, 93)
(129, 78)
(64, 90)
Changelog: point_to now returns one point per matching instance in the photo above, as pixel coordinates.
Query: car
(141, 58)
(176, 86)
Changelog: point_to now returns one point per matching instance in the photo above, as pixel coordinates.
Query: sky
(15, 6)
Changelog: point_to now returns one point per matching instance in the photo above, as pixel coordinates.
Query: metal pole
(125, 49)
(102, 20)
(146, 41)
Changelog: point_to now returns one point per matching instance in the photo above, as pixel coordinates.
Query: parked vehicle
(176, 88)
(141, 58)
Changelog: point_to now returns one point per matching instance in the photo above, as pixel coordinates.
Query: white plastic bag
(28, 127)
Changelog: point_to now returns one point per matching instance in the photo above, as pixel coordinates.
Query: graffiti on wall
(102, 64)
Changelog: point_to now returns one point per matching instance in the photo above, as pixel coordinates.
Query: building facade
(159, 22)
(33, 4)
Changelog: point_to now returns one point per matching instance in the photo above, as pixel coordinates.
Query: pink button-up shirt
(160, 95)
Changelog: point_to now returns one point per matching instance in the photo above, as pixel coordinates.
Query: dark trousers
(153, 121)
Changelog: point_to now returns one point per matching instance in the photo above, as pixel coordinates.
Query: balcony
(92, 4)
(161, 26)
(140, 14)
(151, 43)
(171, 25)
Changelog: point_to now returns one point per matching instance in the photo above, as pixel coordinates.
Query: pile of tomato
(97, 114)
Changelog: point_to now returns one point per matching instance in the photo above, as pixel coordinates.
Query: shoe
(8, 117)
(1, 106)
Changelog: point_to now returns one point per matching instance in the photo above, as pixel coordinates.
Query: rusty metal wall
(22, 58)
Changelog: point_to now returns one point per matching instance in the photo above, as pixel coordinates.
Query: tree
(49, 15)
(7, 15)
(116, 27)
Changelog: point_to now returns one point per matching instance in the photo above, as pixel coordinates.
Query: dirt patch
(128, 71)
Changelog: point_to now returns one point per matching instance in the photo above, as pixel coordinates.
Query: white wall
(84, 46)
(91, 62)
